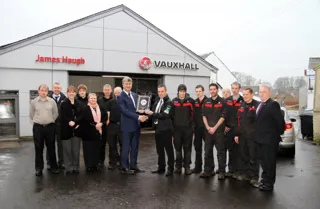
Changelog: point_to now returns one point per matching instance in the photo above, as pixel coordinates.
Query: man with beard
(182, 114)
(103, 103)
(214, 112)
(199, 128)
(244, 137)
(233, 104)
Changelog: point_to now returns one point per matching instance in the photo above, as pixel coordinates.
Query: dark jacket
(103, 102)
(232, 109)
(83, 101)
(113, 108)
(162, 120)
(247, 119)
(88, 125)
(182, 112)
(270, 124)
(62, 97)
(69, 112)
(213, 110)
(198, 112)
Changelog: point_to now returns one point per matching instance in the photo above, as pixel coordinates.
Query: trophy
(143, 103)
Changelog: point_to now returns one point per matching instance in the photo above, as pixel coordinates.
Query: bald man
(269, 127)
(226, 92)
(114, 134)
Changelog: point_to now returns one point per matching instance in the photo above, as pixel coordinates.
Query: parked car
(289, 137)
(306, 122)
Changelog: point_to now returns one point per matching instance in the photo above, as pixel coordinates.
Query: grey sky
(267, 39)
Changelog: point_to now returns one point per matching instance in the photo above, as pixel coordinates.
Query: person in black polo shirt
(182, 114)
(233, 104)
(113, 130)
(161, 114)
(199, 128)
(103, 103)
(214, 112)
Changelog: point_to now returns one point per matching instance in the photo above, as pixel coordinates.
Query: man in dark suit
(130, 128)
(269, 127)
(58, 97)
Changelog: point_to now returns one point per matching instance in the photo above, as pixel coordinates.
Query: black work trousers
(268, 161)
(233, 152)
(248, 157)
(183, 142)
(198, 138)
(164, 144)
(44, 134)
(114, 137)
(58, 141)
(103, 144)
(218, 140)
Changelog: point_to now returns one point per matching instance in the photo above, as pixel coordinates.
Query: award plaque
(143, 102)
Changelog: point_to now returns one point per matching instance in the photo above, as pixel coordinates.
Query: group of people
(246, 130)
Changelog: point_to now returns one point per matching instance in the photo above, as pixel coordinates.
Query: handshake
(143, 118)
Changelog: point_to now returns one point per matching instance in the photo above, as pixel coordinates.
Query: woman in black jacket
(70, 118)
(93, 119)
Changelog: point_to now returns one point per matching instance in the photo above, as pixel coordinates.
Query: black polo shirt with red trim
(182, 112)
(213, 110)
(232, 107)
(198, 112)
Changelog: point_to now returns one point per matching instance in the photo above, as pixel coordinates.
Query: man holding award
(161, 114)
(129, 105)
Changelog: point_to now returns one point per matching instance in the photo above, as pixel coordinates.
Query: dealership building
(96, 50)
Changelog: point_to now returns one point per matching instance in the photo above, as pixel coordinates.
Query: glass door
(9, 114)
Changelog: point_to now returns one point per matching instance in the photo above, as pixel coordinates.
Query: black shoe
(187, 171)
(127, 171)
(221, 176)
(264, 187)
(76, 171)
(169, 173)
(69, 172)
(158, 171)
(196, 170)
(111, 167)
(205, 175)
(229, 174)
(54, 171)
(177, 171)
(39, 173)
(137, 170)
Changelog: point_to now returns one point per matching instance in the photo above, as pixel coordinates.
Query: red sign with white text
(63, 59)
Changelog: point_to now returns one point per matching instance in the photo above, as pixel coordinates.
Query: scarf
(96, 115)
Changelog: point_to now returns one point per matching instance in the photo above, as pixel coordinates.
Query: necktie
(56, 98)
(159, 106)
(132, 99)
(259, 108)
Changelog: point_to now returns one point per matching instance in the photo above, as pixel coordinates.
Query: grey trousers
(71, 153)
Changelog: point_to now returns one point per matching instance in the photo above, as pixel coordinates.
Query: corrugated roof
(18, 44)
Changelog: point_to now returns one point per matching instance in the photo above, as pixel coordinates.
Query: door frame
(17, 115)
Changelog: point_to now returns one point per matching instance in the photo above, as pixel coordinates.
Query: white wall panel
(23, 104)
(203, 71)
(122, 62)
(158, 45)
(191, 82)
(81, 37)
(122, 21)
(45, 42)
(25, 126)
(118, 40)
(93, 59)
(26, 57)
(172, 83)
(97, 23)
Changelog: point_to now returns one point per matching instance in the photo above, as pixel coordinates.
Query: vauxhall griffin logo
(145, 63)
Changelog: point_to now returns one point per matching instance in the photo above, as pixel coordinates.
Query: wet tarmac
(297, 186)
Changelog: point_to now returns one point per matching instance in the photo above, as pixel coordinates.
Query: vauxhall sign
(145, 63)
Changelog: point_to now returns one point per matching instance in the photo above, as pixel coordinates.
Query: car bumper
(287, 142)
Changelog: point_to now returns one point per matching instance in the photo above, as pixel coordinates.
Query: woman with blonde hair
(93, 119)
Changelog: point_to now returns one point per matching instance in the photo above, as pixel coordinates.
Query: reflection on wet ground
(297, 186)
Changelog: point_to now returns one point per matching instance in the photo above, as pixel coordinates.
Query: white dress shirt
(158, 108)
